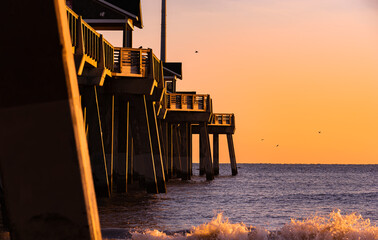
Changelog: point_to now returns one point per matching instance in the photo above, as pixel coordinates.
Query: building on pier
(94, 119)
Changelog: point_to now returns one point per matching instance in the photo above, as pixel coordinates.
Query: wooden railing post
(150, 63)
(80, 48)
(140, 61)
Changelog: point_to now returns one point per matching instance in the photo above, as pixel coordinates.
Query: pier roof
(132, 8)
(109, 14)
(173, 69)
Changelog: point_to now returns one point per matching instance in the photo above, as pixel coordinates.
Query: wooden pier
(86, 118)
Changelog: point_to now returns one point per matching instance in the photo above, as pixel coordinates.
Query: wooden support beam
(44, 160)
(206, 151)
(201, 157)
(190, 149)
(114, 144)
(127, 36)
(170, 149)
(121, 163)
(176, 152)
(106, 106)
(156, 147)
(216, 154)
(95, 140)
(164, 145)
(144, 157)
(231, 150)
(184, 151)
(130, 164)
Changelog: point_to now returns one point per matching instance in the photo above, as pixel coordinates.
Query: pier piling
(216, 154)
(176, 151)
(107, 107)
(121, 163)
(131, 162)
(190, 149)
(231, 150)
(201, 157)
(144, 157)
(96, 147)
(170, 152)
(184, 151)
(156, 147)
(206, 151)
(164, 145)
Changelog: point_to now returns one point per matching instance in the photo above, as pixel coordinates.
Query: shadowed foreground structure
(45, 166)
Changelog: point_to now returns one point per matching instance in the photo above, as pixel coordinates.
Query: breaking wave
(335, 226)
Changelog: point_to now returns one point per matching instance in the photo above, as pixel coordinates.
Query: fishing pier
(82, 118)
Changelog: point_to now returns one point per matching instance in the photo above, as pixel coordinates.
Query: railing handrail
(223, 114)
(71, 12)
(187, 102)
(144, 50)
(223, 119)
(188, 94)
(91, 41)
(90, 28)
(72, 22)
(109, 55)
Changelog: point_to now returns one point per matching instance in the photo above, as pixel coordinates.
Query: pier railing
(137, 62)
(73, 19)
(88, 42)
(109, 55)
(130, 62)
(187, 102)
(91, 42)
(222, 119)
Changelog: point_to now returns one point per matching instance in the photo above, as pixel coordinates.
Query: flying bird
(277, 145)
(196, 51)
(319, 131)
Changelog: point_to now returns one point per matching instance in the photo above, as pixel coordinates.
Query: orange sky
(286, 68)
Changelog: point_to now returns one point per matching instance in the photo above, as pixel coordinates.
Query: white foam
(333, 227)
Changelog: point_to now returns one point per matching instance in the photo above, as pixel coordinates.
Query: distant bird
(196, 51)
(262, 139)
(277, 145)
(319, 131)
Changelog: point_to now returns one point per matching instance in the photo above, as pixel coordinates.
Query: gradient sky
(286, 68)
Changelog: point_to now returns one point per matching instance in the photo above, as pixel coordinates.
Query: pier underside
(132, 85)
(215, 129)
(187, 116)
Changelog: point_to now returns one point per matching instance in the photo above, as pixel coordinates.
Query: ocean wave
(335, 226)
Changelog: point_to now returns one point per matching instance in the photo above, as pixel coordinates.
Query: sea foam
(335, 226)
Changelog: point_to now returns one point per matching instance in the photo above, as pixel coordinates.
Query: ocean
(264, 201)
